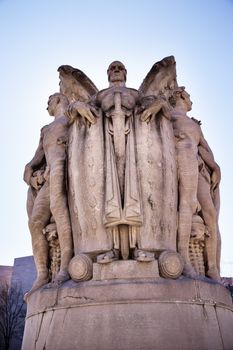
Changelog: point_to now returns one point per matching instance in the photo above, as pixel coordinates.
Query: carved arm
(208, 157)
(152, 109)
(36, 161)
(81, 109)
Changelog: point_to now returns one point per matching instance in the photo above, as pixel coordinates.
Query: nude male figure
(189, 141)
(51, 198)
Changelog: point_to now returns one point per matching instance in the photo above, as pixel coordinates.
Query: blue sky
(39, 36)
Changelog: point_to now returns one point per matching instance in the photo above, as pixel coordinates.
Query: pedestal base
(130, 314)
(129, 269)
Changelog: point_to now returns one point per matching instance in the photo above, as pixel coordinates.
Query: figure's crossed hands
(77, 109)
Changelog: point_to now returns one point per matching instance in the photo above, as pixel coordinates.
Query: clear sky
(39, 36)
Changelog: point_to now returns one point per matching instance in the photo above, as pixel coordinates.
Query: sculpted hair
(176, 95)
(60, 98)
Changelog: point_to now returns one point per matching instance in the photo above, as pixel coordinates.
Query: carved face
(116, 72)
(52, 104)
(186, 97)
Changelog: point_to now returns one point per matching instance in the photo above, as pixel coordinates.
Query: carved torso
(54, 138)
(129, 99)
(187, 132)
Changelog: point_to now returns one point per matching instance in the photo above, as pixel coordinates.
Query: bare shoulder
(43, 129)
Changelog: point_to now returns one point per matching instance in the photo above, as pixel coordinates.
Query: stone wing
(75, 84)
(161, 79)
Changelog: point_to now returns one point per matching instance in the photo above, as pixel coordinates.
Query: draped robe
(149, 204)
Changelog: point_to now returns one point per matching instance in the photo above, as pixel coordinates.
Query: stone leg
(188, 181)
(31, 195)
(210, 217)
(38, 219)
(60, 212)
(216, 201)
(219, 245)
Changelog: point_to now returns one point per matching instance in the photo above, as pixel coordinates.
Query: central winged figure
(121, 164)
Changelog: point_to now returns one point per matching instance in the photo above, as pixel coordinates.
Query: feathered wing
(161, 79)
(75, 84)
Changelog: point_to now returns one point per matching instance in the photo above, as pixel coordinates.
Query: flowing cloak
(150, 191)
(150, 184)
(86, 180)
(157, 173)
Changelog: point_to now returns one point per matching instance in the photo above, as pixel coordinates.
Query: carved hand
(77, 109)
(34, 183)
(150, 113)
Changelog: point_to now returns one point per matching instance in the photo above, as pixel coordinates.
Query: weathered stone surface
(123, 177)
(47, 197)
(193, 154)
(81, 268)
(129, 269)
(121, 165)
(170, 265)
(172, 314)
(104, 179)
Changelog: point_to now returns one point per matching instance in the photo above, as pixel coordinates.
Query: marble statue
(120, 174)
(122, 161)
(123, 205)
(46, 174)
(189, 143)
(209, 200)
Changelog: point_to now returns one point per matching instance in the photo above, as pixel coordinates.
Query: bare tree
(12, 314)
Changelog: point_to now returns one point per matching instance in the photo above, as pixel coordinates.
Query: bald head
(116, 72)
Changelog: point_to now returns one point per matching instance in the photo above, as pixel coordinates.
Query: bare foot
(41, 280)
(189, 271)
(108, 257)
(61, 277)
(214, 274)
(142, 255)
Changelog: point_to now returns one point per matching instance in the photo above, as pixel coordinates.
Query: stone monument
(123, 207)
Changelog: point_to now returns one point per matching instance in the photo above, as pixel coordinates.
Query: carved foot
(61, 277)
(189, 271)
(108, 257)
(214, 274)
(41, 280)
(142, 255)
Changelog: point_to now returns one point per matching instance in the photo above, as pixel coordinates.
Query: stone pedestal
(129, 314)
(129, 269)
